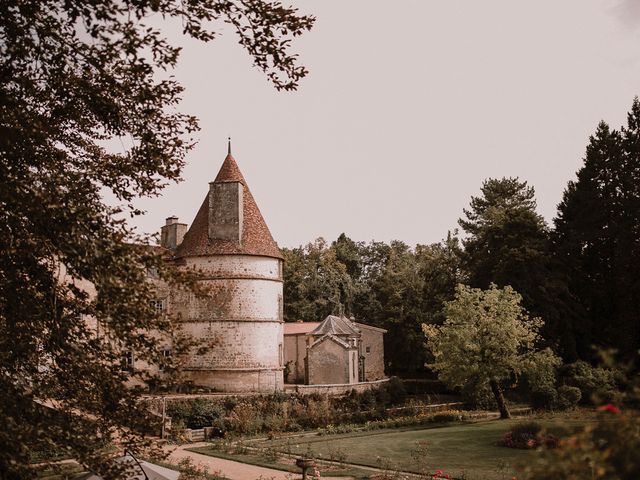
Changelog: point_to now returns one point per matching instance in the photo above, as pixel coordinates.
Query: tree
(487, 340)
(391, 286)
(441, 269)
(597, 238)
(506, 236)
(316, 284)
(394, 303)
(75, 76)
(507, 243)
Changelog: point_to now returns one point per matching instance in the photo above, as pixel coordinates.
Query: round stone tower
(239, 264)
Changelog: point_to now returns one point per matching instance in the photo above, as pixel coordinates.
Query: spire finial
(229, 146)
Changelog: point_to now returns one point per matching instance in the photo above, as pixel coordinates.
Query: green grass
(260, 461)
(460, 449)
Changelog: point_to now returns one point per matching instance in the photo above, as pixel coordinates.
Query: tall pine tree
(507, 244)
(597, 238)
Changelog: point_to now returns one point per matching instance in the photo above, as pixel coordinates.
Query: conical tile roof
(256, 238)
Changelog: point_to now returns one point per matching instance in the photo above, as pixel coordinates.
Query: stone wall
(295, 350)
(329, 363)
(372, 349)
(337, 389)
(240, 323)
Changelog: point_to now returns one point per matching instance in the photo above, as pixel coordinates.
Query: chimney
(226, 207)
(172, 233)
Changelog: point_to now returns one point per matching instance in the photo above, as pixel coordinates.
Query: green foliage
(507, 244)
(386, 285)
(448, 416)
(196, 413)
(526, 428)
(284, 413)
(596, 384)
(604, 451)
(596, 239)
(568, 397)
(487, 340)
(544, 397)
(316, 283)
(75, 79)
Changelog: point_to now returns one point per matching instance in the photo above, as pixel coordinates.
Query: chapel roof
(256, 238)
(298, 328)
(336, 326)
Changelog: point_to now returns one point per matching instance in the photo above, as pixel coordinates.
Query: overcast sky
(408, 107)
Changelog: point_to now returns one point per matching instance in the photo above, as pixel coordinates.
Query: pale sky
(408, 107)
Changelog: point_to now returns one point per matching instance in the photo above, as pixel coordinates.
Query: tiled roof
(297, 328)
(370, 327)
(256, 238)
(336, 326)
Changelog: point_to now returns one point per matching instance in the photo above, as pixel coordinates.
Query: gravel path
(234, 470)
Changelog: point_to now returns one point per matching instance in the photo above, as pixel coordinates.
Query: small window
(367, 349)
(158, 306)
(126, 362)
(280, 359)
(166, 353)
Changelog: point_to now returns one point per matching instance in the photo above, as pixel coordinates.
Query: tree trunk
(502, 406)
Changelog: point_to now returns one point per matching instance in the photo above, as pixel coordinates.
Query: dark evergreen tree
(597, 238)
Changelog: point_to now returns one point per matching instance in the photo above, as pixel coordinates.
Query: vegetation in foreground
(77, 79)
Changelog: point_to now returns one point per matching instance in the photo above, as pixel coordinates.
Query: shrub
(568, 397)
(523, 435)
(274, 423)
(596, 384)
(319, 412)
(544, 398)
(446, 416)
(195, 412)
(611, 446)
(478, 397)
(396, 390)
(245, 419)
(368, 400)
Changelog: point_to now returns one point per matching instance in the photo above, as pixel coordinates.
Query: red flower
(609, 407)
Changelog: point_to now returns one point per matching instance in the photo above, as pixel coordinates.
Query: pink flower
(609, 407)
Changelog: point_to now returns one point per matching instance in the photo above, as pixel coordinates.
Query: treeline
(581, 274)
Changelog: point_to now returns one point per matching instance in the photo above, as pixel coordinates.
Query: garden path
(233, 470)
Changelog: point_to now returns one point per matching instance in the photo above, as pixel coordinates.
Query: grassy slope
(463, 448)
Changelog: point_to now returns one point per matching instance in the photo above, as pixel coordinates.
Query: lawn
(468, 448)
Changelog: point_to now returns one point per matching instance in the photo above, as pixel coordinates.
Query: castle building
(238, 262)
